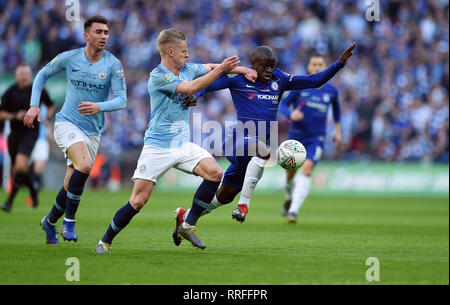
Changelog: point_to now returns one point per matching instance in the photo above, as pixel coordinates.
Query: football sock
(59, 207)
(74, 192)
(254, 172)
(300, 192)
(212, 206)
(36, 181)
(288, 187)
(121, 219)
(202, 198)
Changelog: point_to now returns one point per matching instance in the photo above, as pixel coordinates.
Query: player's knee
(215, 175)
(224, 198)
(138, 202)
(22, 168)
(139, 199)
(85, 166)
(307, 169)
(226, 194)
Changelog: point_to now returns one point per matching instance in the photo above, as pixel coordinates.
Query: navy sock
(59, 207)
(121, 219)
(36, 181)
(74, 192)
(202, 198)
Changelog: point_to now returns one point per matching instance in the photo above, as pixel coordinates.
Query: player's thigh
(314, 151)
(208, 169)
(142, 190)
(153, 162)
(308, 167)
(196, 160)
(80, 156)
(67, 134)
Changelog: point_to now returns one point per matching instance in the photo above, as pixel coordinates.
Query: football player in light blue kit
(91, 72)
(167, 139)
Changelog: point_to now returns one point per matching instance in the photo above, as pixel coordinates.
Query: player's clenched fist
(32, 113)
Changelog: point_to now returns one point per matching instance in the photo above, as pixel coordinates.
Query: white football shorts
(67, 134)
(41, 150)
(155, 161)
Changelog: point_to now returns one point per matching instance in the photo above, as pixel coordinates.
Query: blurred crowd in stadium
(393, 93)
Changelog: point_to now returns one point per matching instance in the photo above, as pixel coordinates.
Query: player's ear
(86, 36)
(170, 52)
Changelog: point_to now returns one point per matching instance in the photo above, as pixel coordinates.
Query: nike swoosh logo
(248, 86)
(75, 70)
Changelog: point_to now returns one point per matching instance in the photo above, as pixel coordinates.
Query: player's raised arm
(318, 79)
(57, 65)
(192, 87)
(249, 73)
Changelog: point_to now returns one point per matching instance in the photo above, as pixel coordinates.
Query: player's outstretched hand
(347, 53)
(32, 113)
(229, 64)
(189, 101)
(251, 75)
(88, 108)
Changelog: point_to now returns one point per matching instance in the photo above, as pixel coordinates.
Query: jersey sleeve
(223, 82)
(285, 105)
(196, 70)
(45, 99)
(118, 88)
(298, 82)
(55, 66)
(335, 105)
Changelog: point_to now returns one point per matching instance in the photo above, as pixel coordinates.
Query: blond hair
(169, 36)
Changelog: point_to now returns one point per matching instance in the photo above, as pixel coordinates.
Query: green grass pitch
(329, 244)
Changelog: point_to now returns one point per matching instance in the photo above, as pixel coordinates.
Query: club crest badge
(274, 86)
(102, 75)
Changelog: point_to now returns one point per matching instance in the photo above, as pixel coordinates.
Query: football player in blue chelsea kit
(256, 102)
(308, 109)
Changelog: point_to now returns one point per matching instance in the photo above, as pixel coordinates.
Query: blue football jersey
(86, 82)
(259, 101)
(169, 119)
(314, 103)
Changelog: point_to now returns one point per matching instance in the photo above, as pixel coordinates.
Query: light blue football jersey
(86, 82)
(169, 119)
